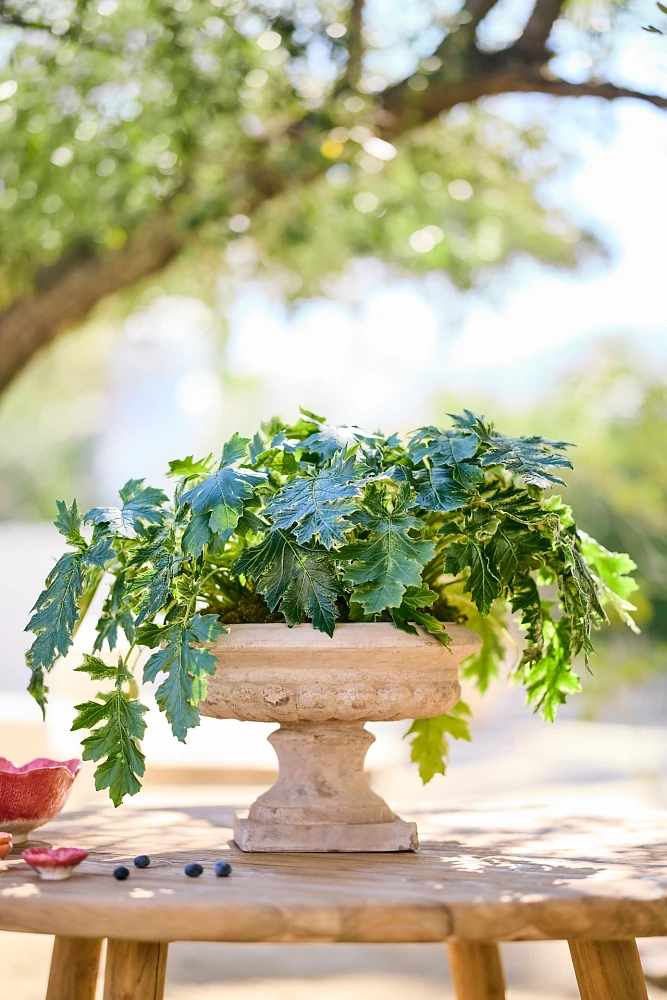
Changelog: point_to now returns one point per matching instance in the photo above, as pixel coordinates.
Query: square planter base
(254, 835)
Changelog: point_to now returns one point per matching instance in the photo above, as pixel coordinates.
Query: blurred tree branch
(355, 45)
(607, 91)
(538, 27)
(64, 293)
(15, 21)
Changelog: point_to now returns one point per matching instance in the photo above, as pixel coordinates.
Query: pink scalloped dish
(54, 864)
(33, 794)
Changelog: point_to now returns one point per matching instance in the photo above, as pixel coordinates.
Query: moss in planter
(249, 610)
(253, 610)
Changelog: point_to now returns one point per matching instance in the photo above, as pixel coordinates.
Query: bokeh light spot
(8, 89)
(380, 148)
(62, 156)
(460, 190)
(365, 202)
(269, 40)
(239, 223)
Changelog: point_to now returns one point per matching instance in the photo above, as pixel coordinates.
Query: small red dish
(54, 864)
(5, 844)
(33, 794)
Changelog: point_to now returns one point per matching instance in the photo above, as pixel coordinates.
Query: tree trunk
(70, 290)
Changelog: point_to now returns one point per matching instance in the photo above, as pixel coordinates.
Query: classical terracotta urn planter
(322, 690)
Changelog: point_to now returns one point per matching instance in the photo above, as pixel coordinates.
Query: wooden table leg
(477, 971)
(135, 970)
(74, 966)
(608, 970)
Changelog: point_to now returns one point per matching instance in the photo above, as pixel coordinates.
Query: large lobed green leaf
(154, 564)
(390, 560)
(186, 666)
(550, 679)
(612, 570)
(531, 458)
(328, 440)
(316, 504)
(413, 611)
(453, 450)
(437, 490)
(429, 748)
(298, 579)
(117, 613)
(219, 497)
(57, 611)
(116, 722)
(483, 582)
(140, 504)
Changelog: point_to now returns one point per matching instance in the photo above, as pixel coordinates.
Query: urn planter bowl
(322, 690)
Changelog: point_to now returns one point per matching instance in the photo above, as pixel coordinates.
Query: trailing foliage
(116, 722)
(429, 746)
(321, 523)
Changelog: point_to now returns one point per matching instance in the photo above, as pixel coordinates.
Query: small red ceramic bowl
(33, 794)
(54, 864)
(5, 844)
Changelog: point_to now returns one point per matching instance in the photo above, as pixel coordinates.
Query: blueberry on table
(142, 861)
(194, 869)
(121, 872)
(222, 869)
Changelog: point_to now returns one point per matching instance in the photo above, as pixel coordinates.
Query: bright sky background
(403, 344)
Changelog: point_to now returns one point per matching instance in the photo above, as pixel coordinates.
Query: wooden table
(480, 877)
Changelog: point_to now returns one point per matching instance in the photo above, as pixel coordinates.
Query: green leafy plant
(315, 522)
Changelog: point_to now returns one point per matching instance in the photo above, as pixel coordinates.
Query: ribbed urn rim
(270, 673)
(347, 635)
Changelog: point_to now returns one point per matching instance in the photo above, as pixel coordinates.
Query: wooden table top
(484, 874)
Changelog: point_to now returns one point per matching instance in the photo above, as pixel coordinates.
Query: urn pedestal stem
(322, 690)
(322, 800)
